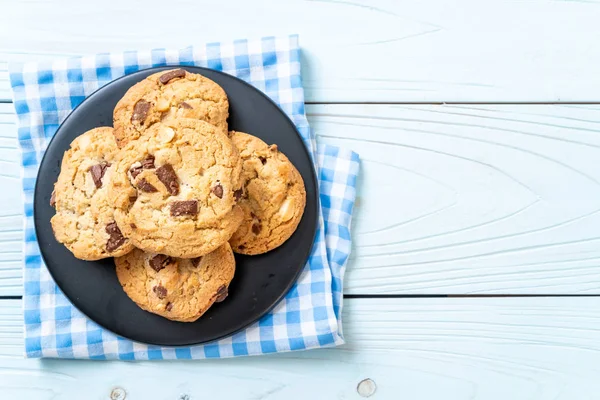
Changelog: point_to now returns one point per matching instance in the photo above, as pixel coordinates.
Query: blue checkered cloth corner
(309, 316)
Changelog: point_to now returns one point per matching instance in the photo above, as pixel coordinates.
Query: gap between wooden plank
(450, 103)
(434, 296)
(440, 103)
(420, 296)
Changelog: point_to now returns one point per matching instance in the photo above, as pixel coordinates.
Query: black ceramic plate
(260, 281)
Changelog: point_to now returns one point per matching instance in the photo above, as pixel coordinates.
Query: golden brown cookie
(84, 220)
(175, 288)
(273, 200)
(175, 189)
(169, 95)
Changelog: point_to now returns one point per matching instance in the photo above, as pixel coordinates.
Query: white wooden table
(476, 260)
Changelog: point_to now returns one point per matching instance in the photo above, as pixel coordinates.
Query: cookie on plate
(175, 190)
(84, 220)
(176, 288)
(168, 95)
(273, 198)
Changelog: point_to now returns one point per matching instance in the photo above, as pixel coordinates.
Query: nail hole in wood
(366, 387)
(118, 394)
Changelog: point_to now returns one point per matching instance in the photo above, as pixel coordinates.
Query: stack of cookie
(171, 194)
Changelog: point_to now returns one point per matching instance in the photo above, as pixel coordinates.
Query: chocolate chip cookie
(273, 198)
(84, 220)
(169, 95)
(176, 188)
(175, 288)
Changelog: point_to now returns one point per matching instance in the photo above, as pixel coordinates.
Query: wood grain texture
(452, 199)
(11, 205)
(357, 50)
(472, 199)
(452, 349)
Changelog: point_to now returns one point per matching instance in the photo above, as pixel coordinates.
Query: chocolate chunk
(147, 163)
(256, 228)
(140, 111)
(187, 207)
(196, 261)
(185, 105)
(146, 186)
(238, 194)
(112, 229)
(161, 291)
(252, 215)
(133, 226)
(97, 172)
(165, 78)
(218, 190)
(116, 238)
(132, 199)
(221, 294)
(159, 262)
(53, 199)
(169, 306)
(166, 174)
(135, 171)
(241, 247)
(262, 160)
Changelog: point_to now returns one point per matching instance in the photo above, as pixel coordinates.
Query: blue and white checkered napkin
(308, 317)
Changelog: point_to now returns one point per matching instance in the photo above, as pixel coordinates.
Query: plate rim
(314, 226)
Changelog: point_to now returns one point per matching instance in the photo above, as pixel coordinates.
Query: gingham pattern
(308, 317)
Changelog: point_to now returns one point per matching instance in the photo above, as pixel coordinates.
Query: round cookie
(176, 288)
(168, 95)
(176, 189)
(84, 220)
(273, 200)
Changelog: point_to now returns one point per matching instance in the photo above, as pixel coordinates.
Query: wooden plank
(11, 205)
(455, 349)
(452, 199)
(472, 199)
(362, 50)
